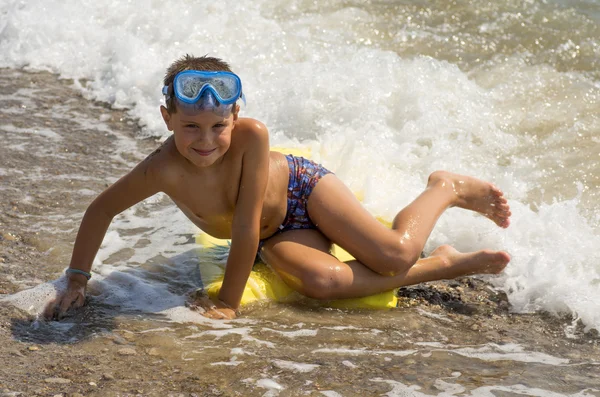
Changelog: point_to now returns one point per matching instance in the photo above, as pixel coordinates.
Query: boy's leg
(343, 220)
(302, 260)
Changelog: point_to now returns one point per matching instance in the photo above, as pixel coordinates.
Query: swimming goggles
(206, 89)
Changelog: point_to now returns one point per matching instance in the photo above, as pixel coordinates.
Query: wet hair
(190, 62)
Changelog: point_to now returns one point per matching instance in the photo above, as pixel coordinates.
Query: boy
(218, 170)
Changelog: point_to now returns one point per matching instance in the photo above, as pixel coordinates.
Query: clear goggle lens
(208, 102)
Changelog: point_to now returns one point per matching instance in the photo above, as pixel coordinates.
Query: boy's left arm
(245, 230)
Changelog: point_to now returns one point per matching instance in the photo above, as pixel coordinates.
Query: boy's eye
(220, 125)
(190, 126)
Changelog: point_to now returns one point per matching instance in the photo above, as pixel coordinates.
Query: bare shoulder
(250, 132)
(162, 162)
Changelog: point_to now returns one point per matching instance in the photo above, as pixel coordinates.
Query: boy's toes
(503, 222)
(504, 210)
(501, 218)
(496, 191)
(501, 206)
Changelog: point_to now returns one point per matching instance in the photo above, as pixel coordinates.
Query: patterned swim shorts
(304, 175)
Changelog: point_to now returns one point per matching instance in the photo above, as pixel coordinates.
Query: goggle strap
(168, 91)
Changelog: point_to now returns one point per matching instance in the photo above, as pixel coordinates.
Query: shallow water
(383, 93)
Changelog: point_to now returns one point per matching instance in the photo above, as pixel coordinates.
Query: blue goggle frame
(190, 85)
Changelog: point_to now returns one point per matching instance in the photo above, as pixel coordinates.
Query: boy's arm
(137, 185)
(245, 232)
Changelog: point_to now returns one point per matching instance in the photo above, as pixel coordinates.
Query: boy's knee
(435, 175)
(323, 285)
(397, 257)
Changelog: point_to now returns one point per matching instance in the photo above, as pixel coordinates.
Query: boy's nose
(203, 136)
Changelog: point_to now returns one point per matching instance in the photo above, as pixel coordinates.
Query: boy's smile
(204, 152)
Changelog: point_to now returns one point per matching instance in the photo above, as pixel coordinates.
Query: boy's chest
(210, 199)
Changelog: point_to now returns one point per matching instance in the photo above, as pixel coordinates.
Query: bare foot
(475, 195)
(464, 264)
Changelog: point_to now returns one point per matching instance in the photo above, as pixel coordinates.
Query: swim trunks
(304, 175)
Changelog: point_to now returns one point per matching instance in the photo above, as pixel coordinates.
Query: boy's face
(201, 136)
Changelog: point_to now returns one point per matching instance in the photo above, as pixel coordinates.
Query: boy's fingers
(58, 307)
(214, 314)
(49, 310)
(226, 314)
(63, 307)
(229, 314)
(80, 301)
(67, 302)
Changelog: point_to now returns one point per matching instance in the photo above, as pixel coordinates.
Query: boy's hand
(219, 313)
(71, 298)
(214, 309)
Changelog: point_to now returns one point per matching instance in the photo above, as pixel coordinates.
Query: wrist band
(77, 271)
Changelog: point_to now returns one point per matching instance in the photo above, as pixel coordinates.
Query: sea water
(383, 93)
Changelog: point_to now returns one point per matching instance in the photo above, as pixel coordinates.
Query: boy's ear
(166, 117)
(236, 112)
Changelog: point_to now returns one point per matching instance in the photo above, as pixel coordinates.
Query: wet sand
(107, 353)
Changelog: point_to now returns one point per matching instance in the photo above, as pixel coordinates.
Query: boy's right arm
(142, 182)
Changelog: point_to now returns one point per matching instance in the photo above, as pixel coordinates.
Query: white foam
(362, 352)
(117, 289)
(232, 363)
(294, 366)
(342, 327)
(294, 334)
(496, 352)
(330, 393)
(450, 389)
(269, 384)
(244, 332)
(487, 352)
(349, 364)
(44, 132)
(511, 352)
(238, 351)
(160, 330)
(35, 299)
